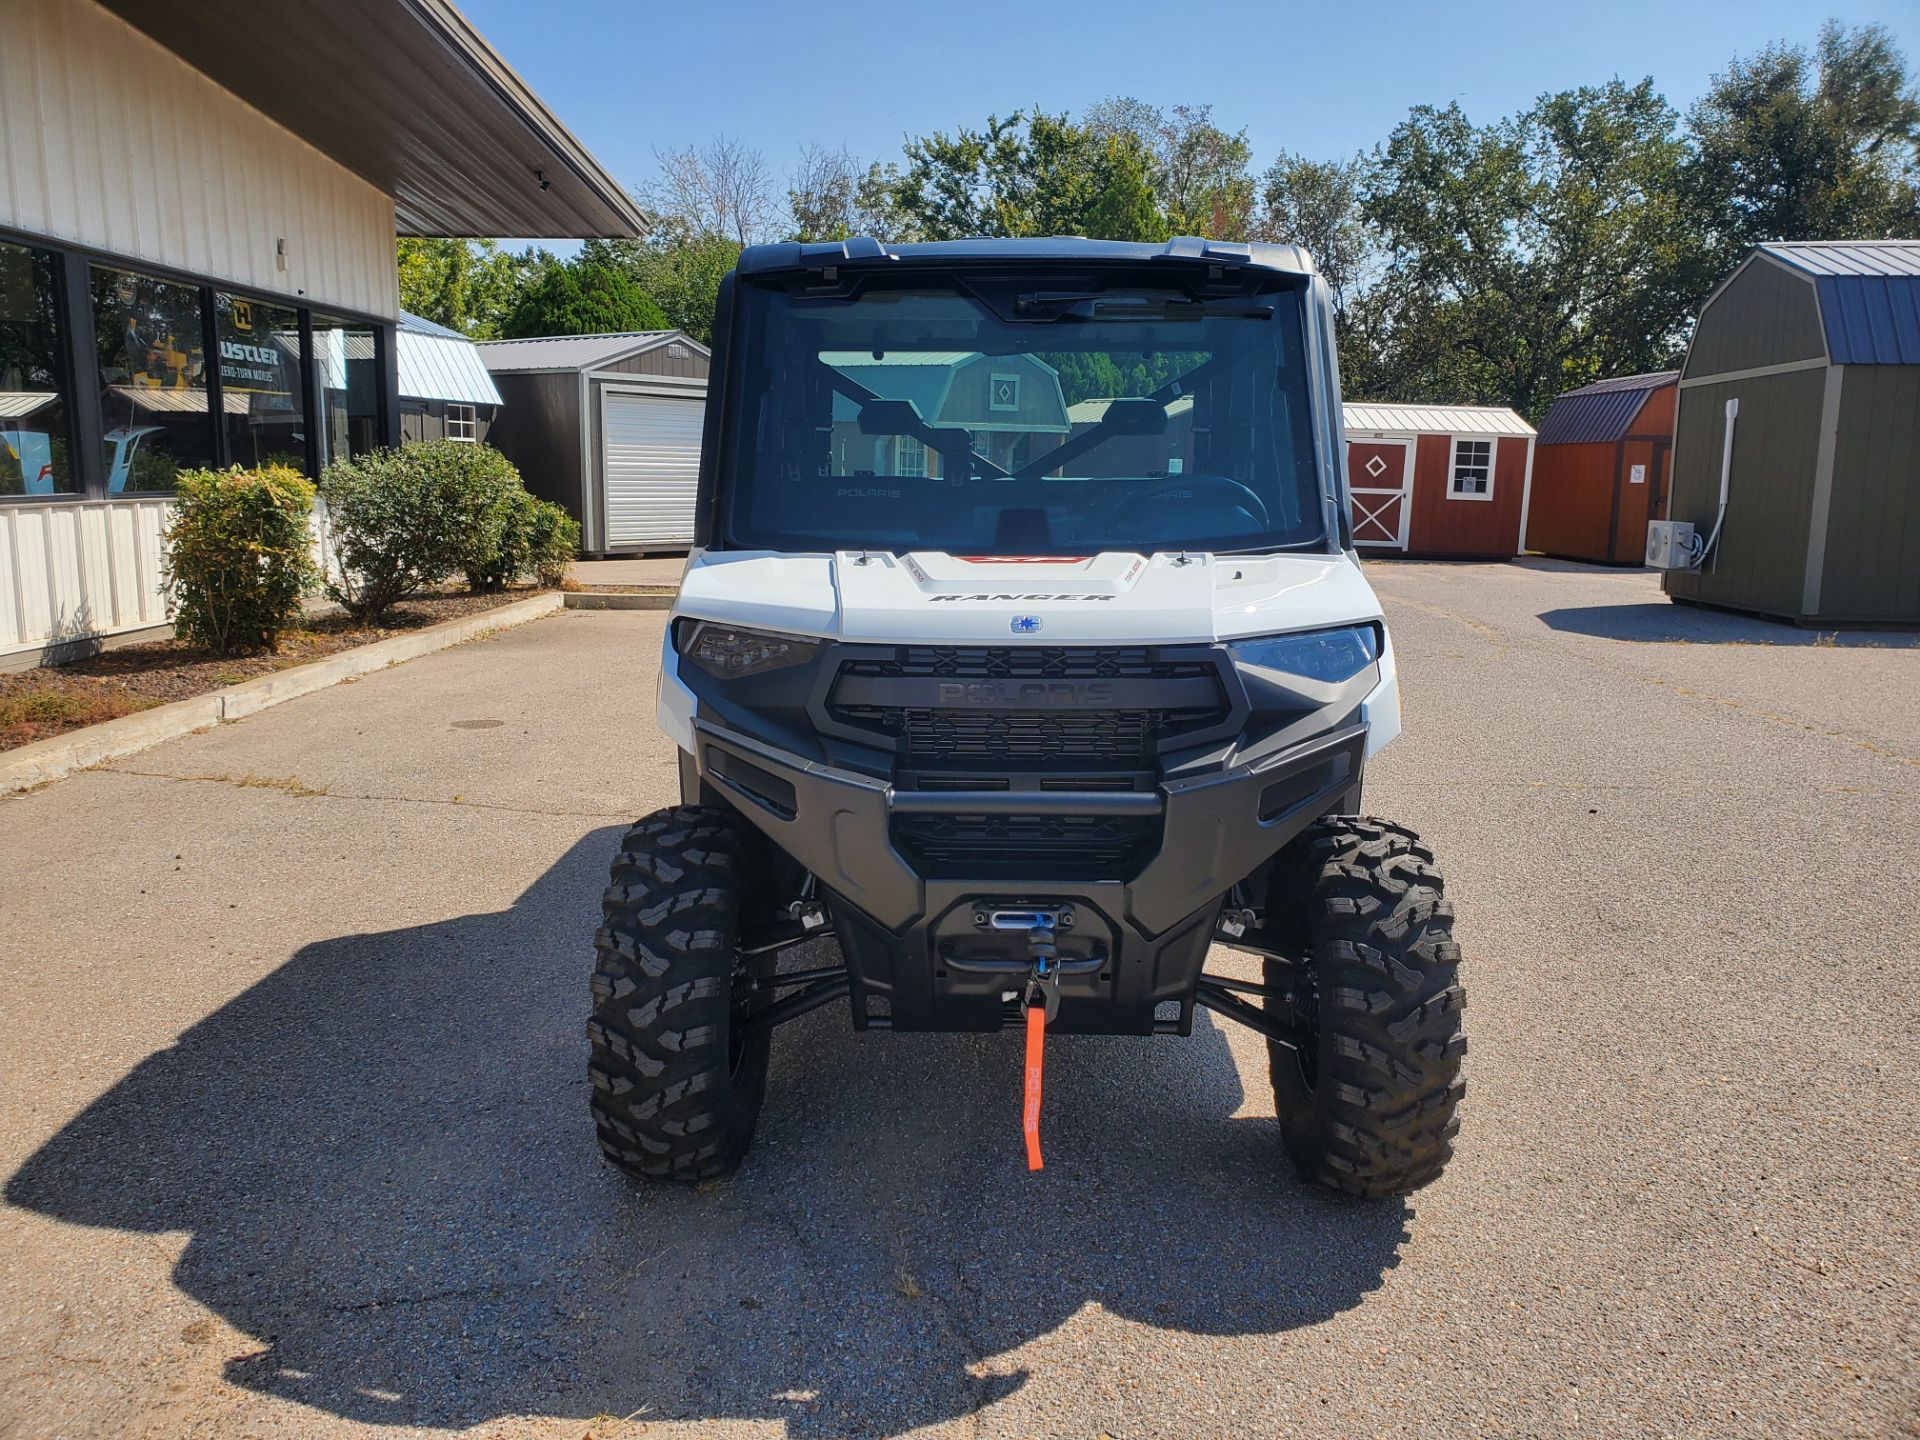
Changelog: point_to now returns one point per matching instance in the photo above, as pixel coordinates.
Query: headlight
(728, 653)
(1326, 655)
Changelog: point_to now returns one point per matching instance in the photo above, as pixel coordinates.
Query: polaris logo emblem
(1026, 694)
(1026, 624)
(1018, 599)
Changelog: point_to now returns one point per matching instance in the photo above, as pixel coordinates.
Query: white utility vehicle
(1026, 654)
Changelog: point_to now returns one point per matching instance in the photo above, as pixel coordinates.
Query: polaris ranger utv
(1025, 652)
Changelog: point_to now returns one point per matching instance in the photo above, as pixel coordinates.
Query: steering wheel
(1239, 494)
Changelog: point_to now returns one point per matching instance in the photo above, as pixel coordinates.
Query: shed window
(910, 457)
(1004, 392)
(462, 423)
(1472, 470)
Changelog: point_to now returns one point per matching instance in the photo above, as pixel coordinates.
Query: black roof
(862, 251)
(1602, 411)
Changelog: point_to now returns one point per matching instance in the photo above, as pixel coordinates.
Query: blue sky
(1325, 80)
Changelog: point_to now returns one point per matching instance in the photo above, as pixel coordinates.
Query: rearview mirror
(891, 417)
(1135, 417)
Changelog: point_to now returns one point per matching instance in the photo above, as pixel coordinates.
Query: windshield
(1019, 417)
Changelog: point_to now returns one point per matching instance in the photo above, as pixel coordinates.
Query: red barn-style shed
(1448, 481)
(1601, 469)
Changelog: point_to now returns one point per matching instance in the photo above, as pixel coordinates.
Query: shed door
(651, 446)
(1380, 488)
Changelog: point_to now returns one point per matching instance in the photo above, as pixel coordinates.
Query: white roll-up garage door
(651, 446)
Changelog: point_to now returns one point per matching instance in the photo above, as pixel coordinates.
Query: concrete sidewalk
(636, 570)
(293, 1125)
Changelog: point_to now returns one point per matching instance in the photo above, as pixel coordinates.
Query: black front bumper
(918, 955)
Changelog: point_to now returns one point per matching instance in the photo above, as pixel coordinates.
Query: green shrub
(497, 510)
(497, 550)
(239, 555)
(536, 539)
(554, 541)
(401, 520)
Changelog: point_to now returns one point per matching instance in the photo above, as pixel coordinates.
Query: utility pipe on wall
(1726, 476)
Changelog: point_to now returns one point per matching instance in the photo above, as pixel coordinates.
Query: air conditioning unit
(1671, 545)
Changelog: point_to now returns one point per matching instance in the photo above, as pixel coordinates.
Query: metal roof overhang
(407, 95)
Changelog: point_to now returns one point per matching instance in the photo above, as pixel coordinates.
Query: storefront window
(346, 355)
(262, 384)
(35, 447)
(153, 380)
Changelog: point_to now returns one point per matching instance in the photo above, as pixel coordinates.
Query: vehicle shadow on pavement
(1664, 624)
(381, 1157)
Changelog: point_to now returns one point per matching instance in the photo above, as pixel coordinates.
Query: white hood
(933, 597)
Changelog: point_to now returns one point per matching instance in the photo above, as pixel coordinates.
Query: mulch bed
(37, 704)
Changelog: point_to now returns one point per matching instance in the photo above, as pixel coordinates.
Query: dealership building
(197, 258)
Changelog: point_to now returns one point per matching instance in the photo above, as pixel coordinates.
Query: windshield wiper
(1273, 549)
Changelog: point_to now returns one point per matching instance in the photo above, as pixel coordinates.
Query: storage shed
(608, 427)
(1438, 480)
(1600, 469)
(1003, 401)
(445, 391)
(1800, 402)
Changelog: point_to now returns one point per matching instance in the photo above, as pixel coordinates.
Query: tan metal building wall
(77, 572)
(112, 143)
(109, 141)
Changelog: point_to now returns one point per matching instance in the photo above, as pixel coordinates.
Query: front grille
(1027, 847)
(1121, 734)
(1022, 662)
(1019, 735)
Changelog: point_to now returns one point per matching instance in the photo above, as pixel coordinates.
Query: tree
(820, 194)
(1198, 171)
(1124, 208)
(1796, 146)
(1207, 189)
(1316, 203)
(832, 197)
(582, 297)
(1025, 176)
(468, 285)
(724, 189)
(681, 276)
(1528, 256)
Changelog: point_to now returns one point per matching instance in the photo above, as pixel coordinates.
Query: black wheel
(1368, 1101)
(678, 1079)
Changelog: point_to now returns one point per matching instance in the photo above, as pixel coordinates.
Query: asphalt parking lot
(292, 1091)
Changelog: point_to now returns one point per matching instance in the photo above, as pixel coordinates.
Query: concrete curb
(616, 600)
(46, 760)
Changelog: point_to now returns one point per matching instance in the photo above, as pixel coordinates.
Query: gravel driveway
(292, 1092)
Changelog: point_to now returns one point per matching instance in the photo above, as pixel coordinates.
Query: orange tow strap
(1030, 1113)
